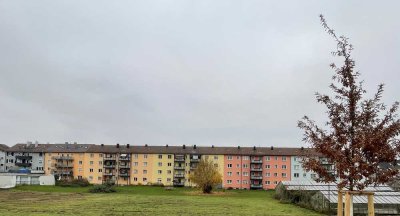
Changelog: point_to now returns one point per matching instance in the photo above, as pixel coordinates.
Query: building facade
(3, 152)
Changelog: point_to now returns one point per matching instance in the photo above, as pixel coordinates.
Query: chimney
(302, 148)
(117, 145)
(75, 143)
(66, 143)
(254, 148)
(183, 146)
(145, 145)
(194, 146)
(166, 145)
(238, 147)
(102, 145)
(212, 146)
(272, 147)
(127, 145)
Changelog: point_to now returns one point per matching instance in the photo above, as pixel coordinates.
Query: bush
(104, 188)
(73, 183)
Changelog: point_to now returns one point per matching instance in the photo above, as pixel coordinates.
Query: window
(267, 166)
(276, 158)
(135, 156)
(159, 172)
(144, 163)
(275, 182)
(169, 172)
(276, 166)
(215, 157)
(159, 156)
(238, 181)
(135, 171)
(159, 164)
(101, 155)
(267, 158)
(229, 181)
(144, 179)
(238, 173)
(296, 167)
(168, 179)
(237, 165)
(267, 174)
(80, 162)
(245, 166)
(90, 178)
(145, 156)
(80, 170)
(245, 174)
(91, 162)
(296, 175)
(283, 166)
(169, 164)
(283, 175)
(100, 170)
(229, 173)
(244, 181)
(90, 170)
(267, 182)
(91, 155)
(99, 178)
(275, 174)
(100, 162)
(283, 158)
(135, 163)
(245, 157)
(229, 157)
(169, 156)
(135, 179)
(229, 165)
(238, 157)
(144, 171)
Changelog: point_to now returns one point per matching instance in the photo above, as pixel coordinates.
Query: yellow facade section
(163, 169)
(90, 166)
(142, 168)
(61, 163)
(218, 161)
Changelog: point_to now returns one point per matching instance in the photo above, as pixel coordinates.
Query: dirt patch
(215, 193)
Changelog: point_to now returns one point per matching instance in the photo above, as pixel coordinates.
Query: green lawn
(141, 200)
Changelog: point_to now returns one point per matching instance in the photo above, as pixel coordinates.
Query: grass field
(141, 200)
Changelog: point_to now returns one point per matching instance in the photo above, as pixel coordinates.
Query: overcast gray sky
(181, 72)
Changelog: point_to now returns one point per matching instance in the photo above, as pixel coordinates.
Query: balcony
(108, 174)
(179, 159)
(256, 177)
(256, 186)
(193, 167)
(124, 166)
(124, 174)
(109, 166)
(256, 169)
(64, 165)
(63, 158)
(124, 158)
(65, 173)
(254, 161)
(179, 168)
(23, 157)
(109, 157)
(179, 175)
(23, 164)
(179, 184)
(193, 160)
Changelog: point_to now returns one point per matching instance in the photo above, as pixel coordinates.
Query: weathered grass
(141, 200)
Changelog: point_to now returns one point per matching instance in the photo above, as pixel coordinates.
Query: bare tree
(360, 133)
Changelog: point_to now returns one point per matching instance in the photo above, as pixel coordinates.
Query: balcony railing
(124, 158)
(65, 173)
(109, 157)
(193, 160)
(109, 166)
(126, 166)
(179, 167)
(256, 186)
(256, 169)
(256, 177)
(23, 157)
(23, 164)
(64, 165)
(63, 158)
(179, 183)
(108, 174)
(179, 175)
(179, 159)
(256, 161)
(124, 174)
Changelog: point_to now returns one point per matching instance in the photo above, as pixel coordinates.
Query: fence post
(371, 209)
(340, 204)
(347, 206)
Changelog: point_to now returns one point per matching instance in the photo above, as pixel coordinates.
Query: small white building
(3, 149)
(10, 180)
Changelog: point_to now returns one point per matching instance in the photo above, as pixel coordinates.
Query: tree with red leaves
(360, 133)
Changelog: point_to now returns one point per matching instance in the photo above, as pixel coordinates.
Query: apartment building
(3, 152)
(240, 167)
(27, 156)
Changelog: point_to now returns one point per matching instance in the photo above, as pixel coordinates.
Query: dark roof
(143, 149)
(4, 147)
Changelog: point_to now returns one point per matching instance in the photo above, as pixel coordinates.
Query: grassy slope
(141, 200)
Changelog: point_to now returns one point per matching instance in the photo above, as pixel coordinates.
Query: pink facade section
(236, 172)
